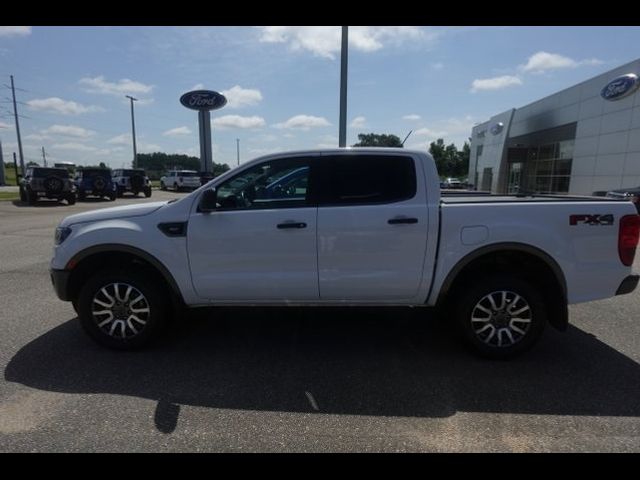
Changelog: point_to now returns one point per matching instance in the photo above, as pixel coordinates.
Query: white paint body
(350, 254)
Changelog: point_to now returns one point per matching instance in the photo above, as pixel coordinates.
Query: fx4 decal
(591, 219)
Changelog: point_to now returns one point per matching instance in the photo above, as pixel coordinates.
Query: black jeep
(132, 180)
(96, 182)
(52, 183)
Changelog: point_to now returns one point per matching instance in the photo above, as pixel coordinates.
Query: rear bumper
(628, 285)
(60, 281)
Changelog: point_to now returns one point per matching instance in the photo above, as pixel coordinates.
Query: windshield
(94, 171)
(188, 174)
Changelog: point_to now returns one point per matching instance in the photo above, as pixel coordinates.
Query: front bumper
(60, 281)
(628, 285)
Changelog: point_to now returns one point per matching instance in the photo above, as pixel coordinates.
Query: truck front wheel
(122, 310)
(500, 316)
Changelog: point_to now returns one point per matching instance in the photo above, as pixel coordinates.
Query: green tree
(378, 140)
(32, 164)
(450, 161)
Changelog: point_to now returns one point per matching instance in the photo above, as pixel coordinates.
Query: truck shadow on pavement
(364, 361)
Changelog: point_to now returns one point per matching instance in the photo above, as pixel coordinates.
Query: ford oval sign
(203, 100)
(620, 87)
(497, 128)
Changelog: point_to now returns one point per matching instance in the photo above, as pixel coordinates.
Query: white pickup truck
(360, 226)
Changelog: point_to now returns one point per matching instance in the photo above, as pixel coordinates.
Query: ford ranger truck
(361, 226)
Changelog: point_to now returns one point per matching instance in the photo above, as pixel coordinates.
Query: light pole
(342, 139)
(134, 164)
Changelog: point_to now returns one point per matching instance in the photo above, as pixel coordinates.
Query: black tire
(81, 195)
(23, 196)
(176, 187)
(137, 182)
(53, 185)
(71, 199)
(31, 197)
(112, 196)
(162, 186)
(484, 333)
(147, 192)
(155, 297)
(119, 192)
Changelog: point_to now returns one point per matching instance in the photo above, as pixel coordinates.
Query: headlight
(61, 234)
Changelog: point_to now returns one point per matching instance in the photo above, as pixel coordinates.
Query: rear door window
(366, 179)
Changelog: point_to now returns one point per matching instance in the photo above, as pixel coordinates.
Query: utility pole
(1, 166)
(44, 157)
(134, 164)
(342, 141)
(15, 166)
(238, 150)
(15, 113)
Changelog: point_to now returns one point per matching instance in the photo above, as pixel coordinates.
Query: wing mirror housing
(209, 200)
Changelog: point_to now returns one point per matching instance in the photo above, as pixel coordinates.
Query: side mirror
(209, 200)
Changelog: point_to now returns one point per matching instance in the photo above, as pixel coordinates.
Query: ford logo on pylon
(620, 87)
(203, 100)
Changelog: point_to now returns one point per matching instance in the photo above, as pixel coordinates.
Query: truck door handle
(292, 225)
(396, 221)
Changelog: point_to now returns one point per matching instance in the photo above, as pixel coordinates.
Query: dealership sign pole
(204, 101)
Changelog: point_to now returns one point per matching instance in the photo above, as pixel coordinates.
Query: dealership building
(580, 140)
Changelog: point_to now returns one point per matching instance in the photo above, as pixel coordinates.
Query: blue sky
(282, 84)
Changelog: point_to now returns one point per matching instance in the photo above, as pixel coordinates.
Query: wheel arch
(505, 257)
(90, 259)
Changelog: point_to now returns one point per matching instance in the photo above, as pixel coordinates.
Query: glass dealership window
(548, 168)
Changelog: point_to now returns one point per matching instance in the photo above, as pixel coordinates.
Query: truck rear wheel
(122, 310)
(500, 316)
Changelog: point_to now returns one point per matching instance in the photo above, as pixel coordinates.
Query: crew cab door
(260, 244)
(372, 227)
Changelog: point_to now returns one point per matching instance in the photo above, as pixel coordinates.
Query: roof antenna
(405, 138)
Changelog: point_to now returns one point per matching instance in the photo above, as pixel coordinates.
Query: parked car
(42, 182)
(132, 180)
(632, 194)
(180, 180)
(366, 227)
(96, 182)
(453, 183)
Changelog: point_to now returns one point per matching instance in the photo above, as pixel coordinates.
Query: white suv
(180, 179)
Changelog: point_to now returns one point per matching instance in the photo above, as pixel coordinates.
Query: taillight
(628, 238)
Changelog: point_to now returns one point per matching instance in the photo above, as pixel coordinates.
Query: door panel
(261, 242)
(243, 255)
(372, 228)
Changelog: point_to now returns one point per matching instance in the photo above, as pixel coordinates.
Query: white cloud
(5, 125)
(14, 31)
(412, 117)
(197, 86)
(427, 132)
(178, 131)
(495, 83)
(238, 97)
(236, 121)
(264, 151)
(358, 122)
(437, 66)
(124, 139)
(149, 147)
(58, 105)
(69, 131)
(74, 146)
(122, 87)
(542, 61)
(37, 137)
(325, 41)
(303, 122)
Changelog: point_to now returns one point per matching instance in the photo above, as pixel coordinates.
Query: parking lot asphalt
(299, 379)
